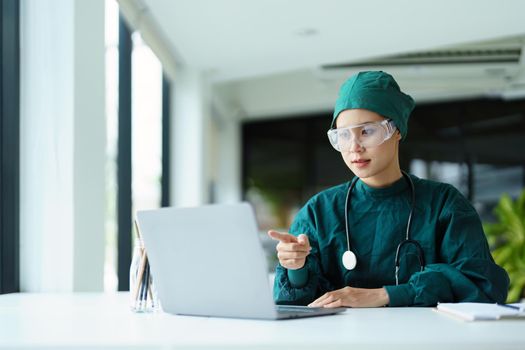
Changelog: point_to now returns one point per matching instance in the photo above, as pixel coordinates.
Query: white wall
(227, 150)
(190, 139)
(62, 145)
(89, 146)
(206, 143)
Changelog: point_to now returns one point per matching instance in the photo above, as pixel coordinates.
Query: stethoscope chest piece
(349, 260)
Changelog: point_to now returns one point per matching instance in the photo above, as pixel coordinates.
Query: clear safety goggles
(367, 135)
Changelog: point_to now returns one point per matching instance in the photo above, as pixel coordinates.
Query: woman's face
(379, 165)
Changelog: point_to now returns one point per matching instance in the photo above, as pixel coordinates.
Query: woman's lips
(361, 163)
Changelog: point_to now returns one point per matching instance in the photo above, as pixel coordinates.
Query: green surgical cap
(378, 92)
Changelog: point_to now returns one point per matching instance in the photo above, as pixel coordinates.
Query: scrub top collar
(397, 187)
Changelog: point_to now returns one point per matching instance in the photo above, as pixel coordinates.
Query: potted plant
(507, 240)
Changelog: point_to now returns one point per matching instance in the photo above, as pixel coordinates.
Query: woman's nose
(355, 146)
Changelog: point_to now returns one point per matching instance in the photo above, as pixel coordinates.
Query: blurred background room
(109, 107)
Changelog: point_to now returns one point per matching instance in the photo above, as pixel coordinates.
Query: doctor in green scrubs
(450, 260)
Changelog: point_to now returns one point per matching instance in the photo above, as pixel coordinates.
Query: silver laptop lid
(208, 261)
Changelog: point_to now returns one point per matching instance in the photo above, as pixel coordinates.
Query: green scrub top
(459, 266)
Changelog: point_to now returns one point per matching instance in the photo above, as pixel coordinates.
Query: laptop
(208, 261)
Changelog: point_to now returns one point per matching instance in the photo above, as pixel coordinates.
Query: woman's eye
(368, 131)
(344, 134)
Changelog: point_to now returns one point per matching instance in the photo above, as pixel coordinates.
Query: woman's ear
(398, 135)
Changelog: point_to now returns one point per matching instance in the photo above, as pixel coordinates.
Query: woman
(385, 238)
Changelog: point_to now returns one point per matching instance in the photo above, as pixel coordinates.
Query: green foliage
(507, 240)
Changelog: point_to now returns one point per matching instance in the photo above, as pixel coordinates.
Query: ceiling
(245, 38)
(276, 57)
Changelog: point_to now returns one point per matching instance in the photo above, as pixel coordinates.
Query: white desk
(104, 321)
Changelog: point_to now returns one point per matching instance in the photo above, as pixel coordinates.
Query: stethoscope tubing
(407, 239)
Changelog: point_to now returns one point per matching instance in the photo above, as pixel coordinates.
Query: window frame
(10, 146)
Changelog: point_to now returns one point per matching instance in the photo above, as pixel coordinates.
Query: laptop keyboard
(296, 309)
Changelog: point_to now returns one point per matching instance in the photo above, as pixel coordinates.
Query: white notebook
(482, 311)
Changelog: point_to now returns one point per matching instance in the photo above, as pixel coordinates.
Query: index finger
(294, 247)
(282, 236)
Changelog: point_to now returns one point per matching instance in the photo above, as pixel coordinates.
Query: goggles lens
(367, 135)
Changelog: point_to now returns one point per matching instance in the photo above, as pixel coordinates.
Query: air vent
(442, 57)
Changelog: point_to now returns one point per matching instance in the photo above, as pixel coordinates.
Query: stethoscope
(349, 258)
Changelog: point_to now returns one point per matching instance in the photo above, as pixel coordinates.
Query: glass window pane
(146, 126)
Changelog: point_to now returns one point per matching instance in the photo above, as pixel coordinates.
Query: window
(137, 140)
(146, 138)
